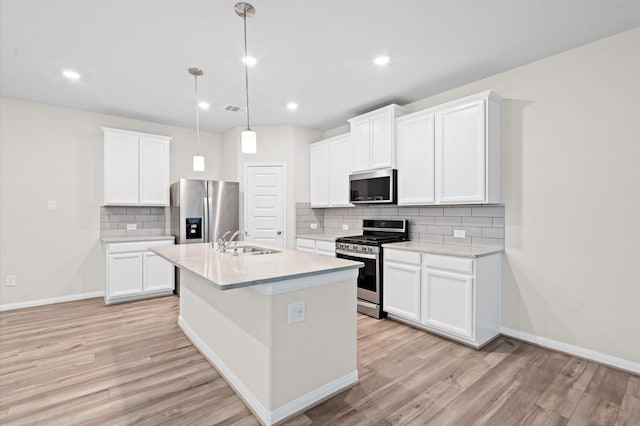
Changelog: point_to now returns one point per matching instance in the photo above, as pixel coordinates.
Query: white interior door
(264, 205)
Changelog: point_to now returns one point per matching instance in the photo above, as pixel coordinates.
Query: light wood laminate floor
(86, 363)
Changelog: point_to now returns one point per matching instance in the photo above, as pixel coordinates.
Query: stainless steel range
(367, 248)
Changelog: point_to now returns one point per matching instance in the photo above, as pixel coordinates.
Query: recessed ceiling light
(204, 105)
(292, 106)
(71, 75)
(381, 60)
(250, 60)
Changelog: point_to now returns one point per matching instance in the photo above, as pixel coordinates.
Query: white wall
(288, 145)
(55, 153)
(571, 188)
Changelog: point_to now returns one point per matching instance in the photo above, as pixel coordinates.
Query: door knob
(279, 232)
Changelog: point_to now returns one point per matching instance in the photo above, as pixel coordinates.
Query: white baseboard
(50, 301)
(620, 363)
(266, 416)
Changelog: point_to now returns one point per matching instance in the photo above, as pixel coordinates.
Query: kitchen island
(280, 327)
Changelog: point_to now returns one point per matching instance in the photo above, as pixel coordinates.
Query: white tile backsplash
(484, 225)
(148, 221)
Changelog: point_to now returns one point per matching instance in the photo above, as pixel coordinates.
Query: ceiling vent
(233, 108)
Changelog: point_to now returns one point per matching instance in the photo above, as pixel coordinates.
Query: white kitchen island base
(277, 368)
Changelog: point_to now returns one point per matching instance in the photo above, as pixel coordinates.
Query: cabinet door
(415, 159)
(461, 153)
(360, 147)
(124, 274)
(154, 171)
(157, 273)
(319, 174)
(340, 166)
(326, 248)
(120, 169)
(401, 290)
(447, 302)
(382, 138)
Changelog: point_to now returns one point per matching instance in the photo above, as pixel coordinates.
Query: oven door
(368, 277)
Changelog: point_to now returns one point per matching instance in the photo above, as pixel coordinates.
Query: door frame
(284, 195)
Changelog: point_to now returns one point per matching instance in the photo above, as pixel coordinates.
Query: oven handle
(362, 255)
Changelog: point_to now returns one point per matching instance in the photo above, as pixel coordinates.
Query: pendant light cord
(197, 114)
(246, 65)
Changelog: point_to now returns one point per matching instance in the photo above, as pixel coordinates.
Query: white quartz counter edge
(318, 237)
(137, 238)
(444, 249)
(190, 263)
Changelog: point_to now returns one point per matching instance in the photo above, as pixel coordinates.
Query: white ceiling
(134, 54)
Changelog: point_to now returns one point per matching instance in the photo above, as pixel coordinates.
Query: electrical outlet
(51, 205)
(132, 226)
(296, 312)
(345, 227)
(10, 281)
(459, 233)
(313, 226)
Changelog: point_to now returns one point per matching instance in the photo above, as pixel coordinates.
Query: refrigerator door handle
(206, 224)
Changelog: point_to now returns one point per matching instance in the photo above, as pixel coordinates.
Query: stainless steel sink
(252, 250)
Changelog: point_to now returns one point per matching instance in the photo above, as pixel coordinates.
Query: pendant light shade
(198, 163)
(198, 160)
(249, 145)
(248, 137)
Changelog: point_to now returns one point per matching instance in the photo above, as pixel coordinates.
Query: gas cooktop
(378, 232)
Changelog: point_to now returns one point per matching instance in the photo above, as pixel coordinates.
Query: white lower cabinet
(124, 274)
(326, 248)
(455, 297)
(134, 272)
(447, 302)
(402, 298)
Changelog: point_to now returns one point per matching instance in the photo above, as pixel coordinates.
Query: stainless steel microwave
(378, 186)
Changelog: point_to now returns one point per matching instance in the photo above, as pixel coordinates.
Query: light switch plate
(132, 226)
(10, 281)
(313, 226)
(345, 227)
(459, 233)
(51, 205)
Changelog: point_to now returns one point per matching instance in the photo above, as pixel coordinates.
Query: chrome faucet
(236, 237)
(222, 243)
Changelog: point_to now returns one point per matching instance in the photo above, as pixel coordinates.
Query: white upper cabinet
(329, 172)
(320, 161)
(415, 158)
(467, 150)
(120, 169)
(340, 167)
(450, 154)
(373, 139)
(136, 168)
(154, 171)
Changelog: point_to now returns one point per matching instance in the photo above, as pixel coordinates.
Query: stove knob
(370, 249)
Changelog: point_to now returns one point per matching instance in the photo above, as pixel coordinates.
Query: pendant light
(198, 160)
(248, 136)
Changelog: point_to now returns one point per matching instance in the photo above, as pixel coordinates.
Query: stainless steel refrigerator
(203, 210)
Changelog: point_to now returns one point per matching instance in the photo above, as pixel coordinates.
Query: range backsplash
(484, 225)
(150, 221)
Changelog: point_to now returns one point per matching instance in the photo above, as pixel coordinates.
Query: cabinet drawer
(402, 256)
(305, 243)
(138, 246)
(326, 246)
(448, 263)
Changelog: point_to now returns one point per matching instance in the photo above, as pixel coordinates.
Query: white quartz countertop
(450, 250)
(318, 237)
(137, 238)
(226, 271)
